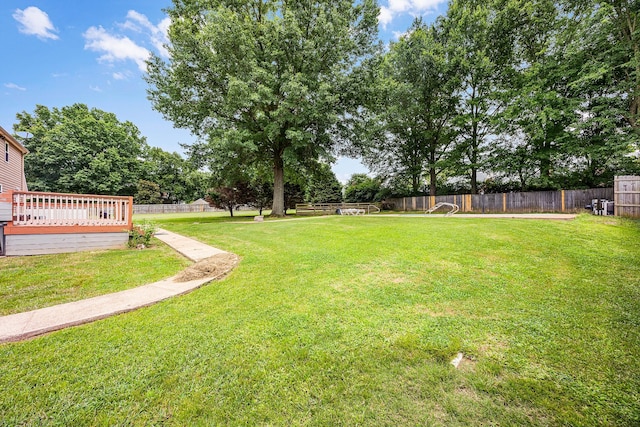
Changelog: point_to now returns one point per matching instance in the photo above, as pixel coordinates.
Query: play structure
(454, 208)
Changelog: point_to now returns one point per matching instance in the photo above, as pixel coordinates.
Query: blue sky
(60, 52)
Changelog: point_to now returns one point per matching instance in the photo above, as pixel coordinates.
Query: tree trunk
(278, 186)
(432, 181)
(474, 180)
(432, 169)
(415, 185)
(474, 152)
(545, 167)
(231, 210)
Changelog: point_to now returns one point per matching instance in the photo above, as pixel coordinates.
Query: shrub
(141, 234)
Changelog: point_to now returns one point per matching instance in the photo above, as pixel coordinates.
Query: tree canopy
(414, 107)
(536, 94)
(265, 80)
(75, 149)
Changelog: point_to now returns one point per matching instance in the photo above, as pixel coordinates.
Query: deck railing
(58, 209)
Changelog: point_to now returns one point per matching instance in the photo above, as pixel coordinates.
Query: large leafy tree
(574, 95)
(537, 123)
(481, 42)
(605, 50)
(541, 105)
(413, 108)
(323, 186)
(75, 149)
(362, 188)
(266, 80)
(178, 179)
(611, 50)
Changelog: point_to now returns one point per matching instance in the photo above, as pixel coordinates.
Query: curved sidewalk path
(17, 327)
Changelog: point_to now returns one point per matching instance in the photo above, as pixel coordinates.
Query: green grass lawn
(31, 282)
(353, 321)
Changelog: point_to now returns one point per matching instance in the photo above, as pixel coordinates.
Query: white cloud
(411, 7)
(400, 6)
(35, 22)
(163, 39)
(14, 86)
(385, 16)
(115, 48)
(95, 88)
(156, 33)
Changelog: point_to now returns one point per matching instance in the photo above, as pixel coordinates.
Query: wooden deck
(41, 223)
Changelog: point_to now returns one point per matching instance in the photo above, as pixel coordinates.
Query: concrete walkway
(16, 327)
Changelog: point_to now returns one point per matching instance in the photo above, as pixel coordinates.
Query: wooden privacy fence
(526, 202)
(627, 196)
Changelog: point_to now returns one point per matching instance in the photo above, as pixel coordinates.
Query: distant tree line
(76, 149)
(535, 94)
(495, 95)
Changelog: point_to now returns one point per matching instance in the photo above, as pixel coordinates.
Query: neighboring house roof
(199, 202)
(6, 136)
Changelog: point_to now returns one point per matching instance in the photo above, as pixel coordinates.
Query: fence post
(616, 201)
(562, 197)
(130, 208)
(504, 202)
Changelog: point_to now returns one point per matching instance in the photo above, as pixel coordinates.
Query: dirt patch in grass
(215, 267)
(467, 364)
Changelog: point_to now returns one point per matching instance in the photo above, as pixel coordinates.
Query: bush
(141, 234)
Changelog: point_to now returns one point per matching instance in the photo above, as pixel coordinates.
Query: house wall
(5, 211)
(11, 163)
(41, 244)
(11, 171)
